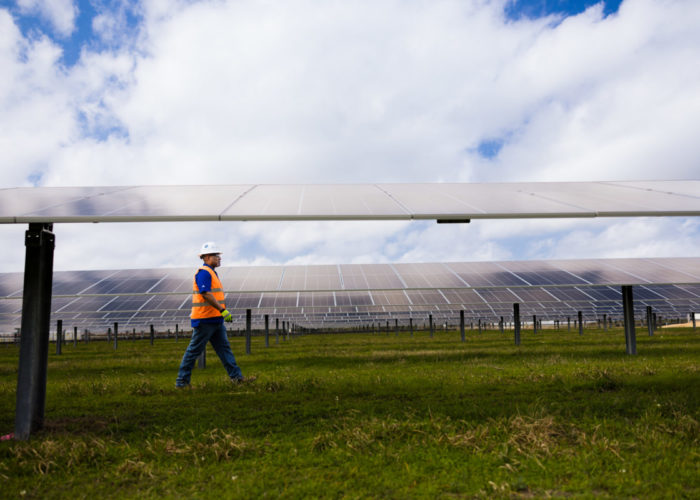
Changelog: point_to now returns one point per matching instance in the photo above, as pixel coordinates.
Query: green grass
(367, 415)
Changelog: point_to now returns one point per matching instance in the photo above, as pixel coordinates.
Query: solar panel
(136, 298)
(348, 201)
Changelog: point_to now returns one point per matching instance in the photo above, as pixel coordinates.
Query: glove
(227, 316)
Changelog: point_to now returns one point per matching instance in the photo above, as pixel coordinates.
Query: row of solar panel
(400, 298)
(369, 201)
(376, 276)
(91, 318)
(166, 319)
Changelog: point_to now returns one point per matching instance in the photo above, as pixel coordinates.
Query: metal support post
(692, 315)
(534, 323)
(628, 314)
(605, 322)
(410, 325)
(580, 323)
(396, 327)
(202, 359)
(153, 334)
(36, 316)
(461, 326)
(277, 330)
(177, 331)
(653, 321)
(650, 322)
(59, 336)
(267, 330)
(116, 334)
(247, 330)
(75, 336)
(479, 326)
(568, 323)
(516, 322)
(432, 327)
(500, 324)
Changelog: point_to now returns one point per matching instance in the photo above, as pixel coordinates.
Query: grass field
(365, 415)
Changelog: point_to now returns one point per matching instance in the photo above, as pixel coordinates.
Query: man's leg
(200, 337)
(223, 349)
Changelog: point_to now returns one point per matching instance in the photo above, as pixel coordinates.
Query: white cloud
(61, 14)
(308, 91)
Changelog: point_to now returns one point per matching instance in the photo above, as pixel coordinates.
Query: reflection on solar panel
(369, 293)
(351, 201)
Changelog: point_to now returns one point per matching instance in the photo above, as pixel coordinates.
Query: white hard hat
(209, 247)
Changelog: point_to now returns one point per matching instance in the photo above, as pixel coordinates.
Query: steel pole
(59, 336)
(516, 323)
(628, 314)
(36, 316)
(580, 323)
(247, 330)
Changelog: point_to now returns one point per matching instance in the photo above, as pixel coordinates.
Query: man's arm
(209, 297)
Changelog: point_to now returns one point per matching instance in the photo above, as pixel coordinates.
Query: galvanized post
(153, 334)
(568, 323)
(410, 325)
(59, 336)
(580, 323)
(516, 322)
(75, 336)
(500, 324)
(267, 330)
(479, 326)
(202, 359)
(430, 320)
(277, 330)
(177, 331)
(650, 322)
(247, 330)
(628, 314)
(534, 323)
(36, 316)
(116, 334)
(462, 334)
(692, 315)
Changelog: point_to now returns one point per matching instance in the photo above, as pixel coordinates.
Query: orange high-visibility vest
(200, 307)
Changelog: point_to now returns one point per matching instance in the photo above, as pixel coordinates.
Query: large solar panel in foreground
(365, 293)
(350, 201)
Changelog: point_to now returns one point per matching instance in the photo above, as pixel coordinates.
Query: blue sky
(114, 92)
(33, 22)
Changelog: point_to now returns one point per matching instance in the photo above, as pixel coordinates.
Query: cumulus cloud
(307, 91)
(60, 14)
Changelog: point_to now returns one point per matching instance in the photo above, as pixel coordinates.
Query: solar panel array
(368, 293)
(349, 201)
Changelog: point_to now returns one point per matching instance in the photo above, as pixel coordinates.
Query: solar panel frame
(349, 201)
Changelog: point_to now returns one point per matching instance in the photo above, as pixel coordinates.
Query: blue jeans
(216, 334)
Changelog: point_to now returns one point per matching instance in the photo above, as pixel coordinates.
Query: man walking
(207, 319)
